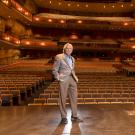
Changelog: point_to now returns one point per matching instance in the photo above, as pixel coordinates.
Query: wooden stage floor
(98, 120)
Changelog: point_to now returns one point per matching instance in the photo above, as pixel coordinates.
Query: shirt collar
(67, 56)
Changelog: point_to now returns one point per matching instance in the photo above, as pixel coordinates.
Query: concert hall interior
(33, 32)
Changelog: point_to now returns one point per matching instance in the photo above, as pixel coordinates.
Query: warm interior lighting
(59, 3)
(104, 6)
(20, 9)
(26, 13)
(74, 36)
(27, 42)
(7, 38)
(133, 46)
(36, 18)
(49, 20)
(86, 5)
(50, 2)
(78, 5)
(122, 6)
(79, 21)
(132, 38)
(125, 24)
(132, 5)
(17, 42)
(62, 21)
(5, 2)
(69, 4)
(113, 6)
(42, 44)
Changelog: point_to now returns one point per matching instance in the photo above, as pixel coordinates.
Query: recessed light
(86, 5)
(79, 21)
(62, 21)
(43, 44)
(27, 42)
(125, 23)
(36, 18)
(132, 5)
(69, 4)
(59, 3)
(49, 20)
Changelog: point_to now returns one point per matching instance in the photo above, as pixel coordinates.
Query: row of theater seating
(105, 89)
(54, 101)
(14, 88)
(22, 80)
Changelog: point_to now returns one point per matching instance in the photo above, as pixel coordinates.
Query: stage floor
(98, 120)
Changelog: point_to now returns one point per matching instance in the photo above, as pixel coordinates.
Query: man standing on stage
(63, 71)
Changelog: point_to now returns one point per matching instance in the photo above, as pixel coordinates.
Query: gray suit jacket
(61, 68)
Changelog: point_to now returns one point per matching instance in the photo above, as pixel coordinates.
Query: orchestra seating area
(127, 68)
(20, 81)
(99, 83)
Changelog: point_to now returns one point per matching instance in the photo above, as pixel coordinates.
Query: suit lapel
(72, 62)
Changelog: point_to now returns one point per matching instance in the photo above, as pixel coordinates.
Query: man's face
(68, 49)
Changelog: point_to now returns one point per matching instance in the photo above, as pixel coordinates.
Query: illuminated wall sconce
(133, 46)
(26, 13)
(125, 24)
(59, 3)
(36, 18)
(20, 9)
(79, 21)
(7, 38)
(86, 5)
(27, 43)
(5, 2)
(17, 42)
(62, 21)
(42, 44)
(69, 4)
(49, 20)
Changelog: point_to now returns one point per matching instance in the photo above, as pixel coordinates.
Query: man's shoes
(76, 119)
(64, 121)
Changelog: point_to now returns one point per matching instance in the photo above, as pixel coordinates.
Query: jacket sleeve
(56, 67)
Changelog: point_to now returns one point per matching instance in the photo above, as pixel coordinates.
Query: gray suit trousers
(68, 87)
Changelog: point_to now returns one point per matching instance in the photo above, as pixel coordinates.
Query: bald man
(63, 71)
